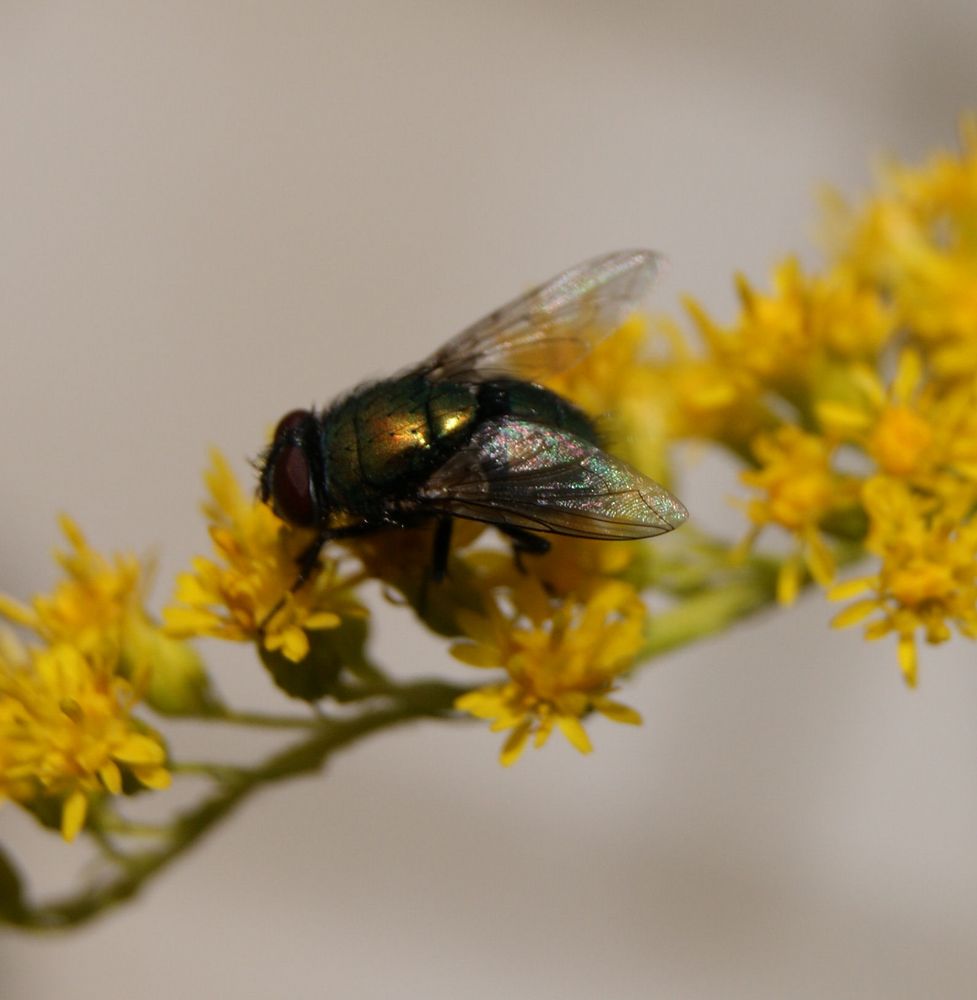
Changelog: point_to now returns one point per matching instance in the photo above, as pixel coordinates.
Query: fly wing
(539, 478)
(551, 327)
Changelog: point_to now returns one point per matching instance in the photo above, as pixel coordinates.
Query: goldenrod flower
(562, 659)
(917, 241)
(67, 732)
(98, 608)
(246, 594)
(91, 608)
(710, 399)
(889, 424)
(927, 579)
(800, 489)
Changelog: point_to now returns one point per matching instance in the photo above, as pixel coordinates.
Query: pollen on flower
(562, 658)
(246, 592)
(67, 732)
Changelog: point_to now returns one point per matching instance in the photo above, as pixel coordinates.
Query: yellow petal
(908, 375)
(476, 654)
(617, 712)
(907, 658)
(842, 419)
(878, 629)
(139, 749)
(819, 559)
(789, 581)
(855, 613)
(575, 733)
(156, 778)
(851, 588)
(111, 777)
(16, 612)
(294, 644)
(322, 620)
(73, 815)
(187, 622)
(515, 744)
(485, 703)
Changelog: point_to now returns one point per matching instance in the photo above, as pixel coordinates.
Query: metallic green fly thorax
(383, 440)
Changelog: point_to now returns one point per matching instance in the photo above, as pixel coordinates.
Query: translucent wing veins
(544, 479)
(554, 325)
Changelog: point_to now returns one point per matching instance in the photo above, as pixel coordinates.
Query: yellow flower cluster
(67, 732)
(851, 394)
(562, 659)
(247, 593)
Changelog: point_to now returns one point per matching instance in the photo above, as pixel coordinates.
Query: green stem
(424, 699)
(698, 616)
(222, 714)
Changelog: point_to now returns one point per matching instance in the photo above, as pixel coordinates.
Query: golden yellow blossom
(67, 732)
(99, 609)
(91, 607)
(889, 424)
(246, 594)
(927, 579)
(709, 398)
(917, 241)
(799, 490)
(562, 659)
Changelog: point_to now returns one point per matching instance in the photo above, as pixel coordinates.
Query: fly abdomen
(533, 403)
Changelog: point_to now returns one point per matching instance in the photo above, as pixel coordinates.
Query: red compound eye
(286, 481)
(291, 487)
(295, 420)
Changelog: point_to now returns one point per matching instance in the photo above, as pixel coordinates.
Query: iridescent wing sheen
(551, 327)
(540, 478)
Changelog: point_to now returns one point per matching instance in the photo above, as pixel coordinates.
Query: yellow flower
(779, 346)
(67, 732)
(927, 577)
(98, 608)
(917, 240)
(887, 423)
(246, 594)
(709, 398)
(799, 489)
(562, 659)
(91, 607)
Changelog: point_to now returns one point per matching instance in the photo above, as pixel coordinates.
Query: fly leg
(307, 560)
(524, 543)
(441, 549)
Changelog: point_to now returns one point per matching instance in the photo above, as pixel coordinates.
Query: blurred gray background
(213, 212)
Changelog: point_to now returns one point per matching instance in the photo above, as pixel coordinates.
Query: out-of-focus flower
(927, 577)
(851, 395)
(799, 489)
